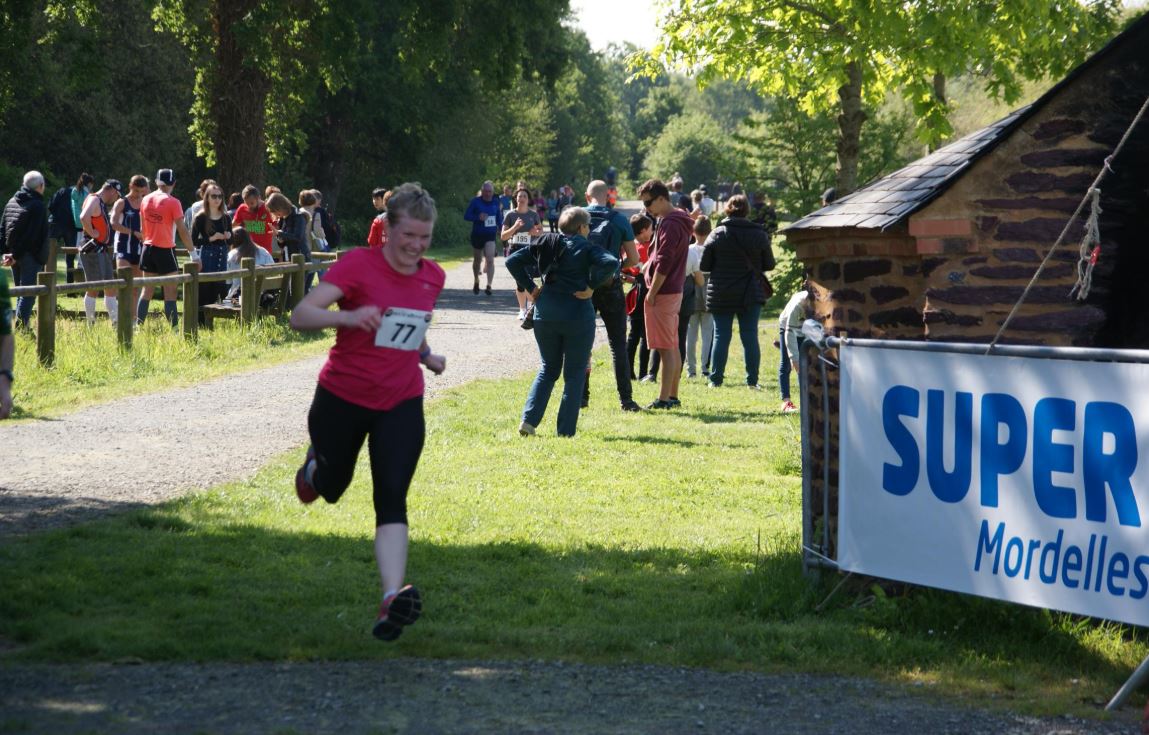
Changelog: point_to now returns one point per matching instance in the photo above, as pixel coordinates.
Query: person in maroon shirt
(664, 273)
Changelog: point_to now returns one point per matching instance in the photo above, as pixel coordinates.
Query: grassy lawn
(91, 368)
(669, 538)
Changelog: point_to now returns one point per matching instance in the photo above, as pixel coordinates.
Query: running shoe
(304, 490)
(475, 288)
(660, 404)
(522, 314)
(488, 290)
(754, 387)
(788, 407)
(674, 402)
(630, 406)
(398, 610)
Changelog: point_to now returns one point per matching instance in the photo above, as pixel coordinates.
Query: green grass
(91, 367)
(667, 538)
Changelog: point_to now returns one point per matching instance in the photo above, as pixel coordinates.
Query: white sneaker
(522, 314)
(526, 429)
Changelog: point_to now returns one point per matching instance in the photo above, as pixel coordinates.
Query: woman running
(372, 385)
(519, 226)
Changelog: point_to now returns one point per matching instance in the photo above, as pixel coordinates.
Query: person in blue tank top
(571, 268)
(127, 228)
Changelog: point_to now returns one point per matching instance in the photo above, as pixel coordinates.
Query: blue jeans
(564, 347)
(25, 275)
(724, 332)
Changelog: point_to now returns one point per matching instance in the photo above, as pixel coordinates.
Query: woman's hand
(435, 363)
(585, 294)
(367, 317)
(535, 294)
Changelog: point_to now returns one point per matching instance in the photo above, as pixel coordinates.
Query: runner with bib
(372, 385)
(519, 226)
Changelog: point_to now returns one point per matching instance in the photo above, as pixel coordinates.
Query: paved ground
(51, 484)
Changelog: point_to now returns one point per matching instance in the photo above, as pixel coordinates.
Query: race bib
(490, 221)
(522, 238)
(402, 329)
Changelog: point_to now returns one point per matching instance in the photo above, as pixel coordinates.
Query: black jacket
(24, 226)
(293, 234)
(734, 255)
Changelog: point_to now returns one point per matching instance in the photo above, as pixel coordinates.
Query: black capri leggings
(338, 428)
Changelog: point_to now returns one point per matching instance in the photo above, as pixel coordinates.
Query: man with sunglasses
(665, 273)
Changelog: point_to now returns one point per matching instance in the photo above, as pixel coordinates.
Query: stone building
(942, 249)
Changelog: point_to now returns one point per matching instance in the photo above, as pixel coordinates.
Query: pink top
(378, 378)
(159, 212)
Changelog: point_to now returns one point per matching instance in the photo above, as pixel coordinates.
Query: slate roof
(893, 198)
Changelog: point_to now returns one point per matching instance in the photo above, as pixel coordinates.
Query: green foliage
(808, 51)
(694, 146)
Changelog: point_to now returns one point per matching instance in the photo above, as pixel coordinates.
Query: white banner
(1013, 478)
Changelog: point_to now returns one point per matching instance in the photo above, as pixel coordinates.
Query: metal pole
(807, 466)
(825, 459)
(1139, 676)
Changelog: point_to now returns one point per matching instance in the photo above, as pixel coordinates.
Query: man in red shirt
(665, 273)
(377, 236)
(254, 216)
(160, 212)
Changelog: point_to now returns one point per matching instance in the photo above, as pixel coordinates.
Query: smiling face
(407, 240)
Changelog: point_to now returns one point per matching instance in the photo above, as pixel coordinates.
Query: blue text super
(1103, 447)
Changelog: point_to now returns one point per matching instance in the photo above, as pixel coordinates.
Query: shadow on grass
(156, 586)
(647, 439)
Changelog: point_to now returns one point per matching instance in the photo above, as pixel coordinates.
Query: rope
(1090, 250)
(1107, 168)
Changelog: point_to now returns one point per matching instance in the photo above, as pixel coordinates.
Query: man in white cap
(159, 213)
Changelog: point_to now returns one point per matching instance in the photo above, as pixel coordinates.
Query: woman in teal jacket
(571, 268)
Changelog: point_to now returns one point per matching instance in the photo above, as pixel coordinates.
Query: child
(700, 321)
(643, 234)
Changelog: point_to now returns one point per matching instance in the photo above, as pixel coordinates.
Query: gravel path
(51, 485)
(440, 696)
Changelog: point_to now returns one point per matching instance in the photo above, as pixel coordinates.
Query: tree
(694, 146)
(843, 54)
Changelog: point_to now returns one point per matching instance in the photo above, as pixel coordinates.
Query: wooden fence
(47, 290)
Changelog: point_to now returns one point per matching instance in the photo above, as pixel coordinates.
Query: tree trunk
(849, 130)
(940, 96)
(237, 102)
(327, 165)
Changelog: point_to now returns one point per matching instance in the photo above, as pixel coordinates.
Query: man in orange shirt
(159, 213)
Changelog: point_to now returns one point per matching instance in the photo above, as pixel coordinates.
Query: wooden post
(248, 295)
(191, 300)
(46, 319)
(298, 278)
(126, 308)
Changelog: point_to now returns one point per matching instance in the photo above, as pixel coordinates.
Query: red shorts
(662, 322)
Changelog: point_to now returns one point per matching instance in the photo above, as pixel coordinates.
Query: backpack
(604, 234)
(60, 207)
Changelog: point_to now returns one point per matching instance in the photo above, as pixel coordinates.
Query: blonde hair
(573, 219)
(410, 200)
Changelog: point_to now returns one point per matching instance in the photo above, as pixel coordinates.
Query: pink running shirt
(378, 378)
